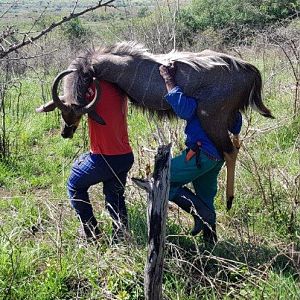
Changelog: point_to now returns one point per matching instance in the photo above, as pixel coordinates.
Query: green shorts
(204, 177)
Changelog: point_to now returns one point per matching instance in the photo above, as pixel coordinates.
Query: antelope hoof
(229, 202)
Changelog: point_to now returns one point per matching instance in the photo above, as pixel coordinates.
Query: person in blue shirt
(199, 164)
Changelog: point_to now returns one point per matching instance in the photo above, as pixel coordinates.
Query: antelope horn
(90, 106)
(58, 99)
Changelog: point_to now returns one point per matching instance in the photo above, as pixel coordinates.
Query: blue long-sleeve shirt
(186, 107)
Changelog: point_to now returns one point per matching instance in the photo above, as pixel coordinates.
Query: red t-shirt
(112, 138)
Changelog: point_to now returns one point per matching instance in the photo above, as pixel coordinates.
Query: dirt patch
(6, 194)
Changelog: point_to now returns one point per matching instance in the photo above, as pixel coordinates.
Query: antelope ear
(46, 107)
(92, 71)
(142, 183)
(94, 116)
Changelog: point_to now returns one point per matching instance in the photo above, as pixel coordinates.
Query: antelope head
(71, 113)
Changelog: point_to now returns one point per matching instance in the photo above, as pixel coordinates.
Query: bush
(235, 15)
(76, 33)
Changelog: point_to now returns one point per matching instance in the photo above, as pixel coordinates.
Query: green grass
(41, 255)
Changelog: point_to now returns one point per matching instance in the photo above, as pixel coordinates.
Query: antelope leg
(230, 159)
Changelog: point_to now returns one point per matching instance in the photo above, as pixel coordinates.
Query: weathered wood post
(157, 202)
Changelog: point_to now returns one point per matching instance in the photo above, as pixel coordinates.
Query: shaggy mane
(126, 48)
(206, 59)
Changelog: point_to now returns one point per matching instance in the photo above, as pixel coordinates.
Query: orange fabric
(190, 154)
(112, 138)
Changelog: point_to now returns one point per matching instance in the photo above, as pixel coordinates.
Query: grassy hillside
(41, 254)
(28, 9)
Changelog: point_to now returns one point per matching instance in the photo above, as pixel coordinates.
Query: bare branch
(9, 31)
(75, 6)
(65, 19)
(32, 56)
(6, 11)
(36, 21)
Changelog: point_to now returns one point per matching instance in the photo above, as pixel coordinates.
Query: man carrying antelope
(108, 161)
(199, 164)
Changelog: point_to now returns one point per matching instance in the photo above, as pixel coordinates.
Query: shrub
(235, 15)
(76, 33)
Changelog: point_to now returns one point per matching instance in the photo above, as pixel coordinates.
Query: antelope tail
(255, 98)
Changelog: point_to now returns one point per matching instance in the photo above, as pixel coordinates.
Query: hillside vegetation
(258, 253)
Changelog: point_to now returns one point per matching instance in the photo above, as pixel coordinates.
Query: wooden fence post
(158, 193)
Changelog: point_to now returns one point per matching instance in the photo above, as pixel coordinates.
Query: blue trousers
(90, 169)
(203, 177)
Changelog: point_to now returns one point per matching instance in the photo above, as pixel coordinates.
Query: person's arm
(237, 124)
(182, 105)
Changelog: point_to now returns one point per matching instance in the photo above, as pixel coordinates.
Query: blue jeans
(90, 169)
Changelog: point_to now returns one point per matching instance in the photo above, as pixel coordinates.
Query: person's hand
(167, 72)
(172, 68)
(164, 72)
